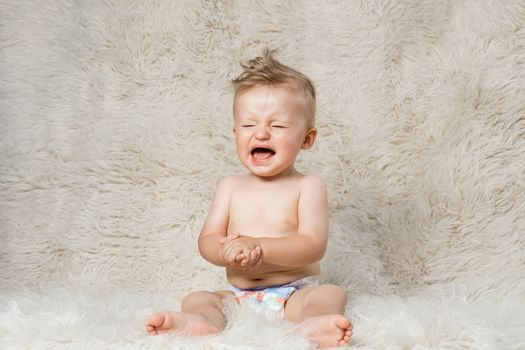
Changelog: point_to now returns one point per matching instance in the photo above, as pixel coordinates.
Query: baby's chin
(261, 172)
(269, 174)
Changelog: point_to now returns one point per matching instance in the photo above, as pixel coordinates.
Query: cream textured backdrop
(116, 126)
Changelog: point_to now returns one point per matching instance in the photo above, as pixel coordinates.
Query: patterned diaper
(271, 300)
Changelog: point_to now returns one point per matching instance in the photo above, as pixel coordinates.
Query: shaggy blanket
(116, 126)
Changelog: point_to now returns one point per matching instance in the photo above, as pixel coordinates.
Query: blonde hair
(266, 70)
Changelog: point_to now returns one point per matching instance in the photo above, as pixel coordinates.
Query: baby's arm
(309, 244)
(216, 224)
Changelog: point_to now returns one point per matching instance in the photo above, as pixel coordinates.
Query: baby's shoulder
(229, 182)
(310, 181)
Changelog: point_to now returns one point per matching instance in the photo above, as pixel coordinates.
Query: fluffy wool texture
(116, 126)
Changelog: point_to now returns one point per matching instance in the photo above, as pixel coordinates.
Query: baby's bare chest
(270, 212)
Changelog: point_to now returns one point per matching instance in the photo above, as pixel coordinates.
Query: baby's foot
(326, 331)
(180, 323)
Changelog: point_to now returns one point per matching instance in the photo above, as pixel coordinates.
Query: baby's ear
(309, 139)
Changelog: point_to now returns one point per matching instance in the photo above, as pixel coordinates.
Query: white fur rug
(116, 125)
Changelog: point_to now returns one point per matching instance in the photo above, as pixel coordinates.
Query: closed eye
(279, 126)
(248, 126)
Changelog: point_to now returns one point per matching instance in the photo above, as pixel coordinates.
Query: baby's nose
(262, 133)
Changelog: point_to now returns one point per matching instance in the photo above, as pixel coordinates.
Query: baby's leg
(319, 314)
(201, 314)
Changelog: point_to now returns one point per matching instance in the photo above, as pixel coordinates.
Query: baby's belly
(269, 275)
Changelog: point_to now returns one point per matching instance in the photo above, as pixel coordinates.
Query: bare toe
(180, 323)
(159, 323)
(326, 331)
(342, 322)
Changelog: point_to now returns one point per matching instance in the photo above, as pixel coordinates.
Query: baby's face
(271, 127)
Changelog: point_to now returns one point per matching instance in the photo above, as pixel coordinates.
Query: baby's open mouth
(261, 153)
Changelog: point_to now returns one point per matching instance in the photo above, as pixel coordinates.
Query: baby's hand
(230, 257)
(230, 237)
(241, 251)
(250, 259)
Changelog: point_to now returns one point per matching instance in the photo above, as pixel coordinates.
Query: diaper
(271, 300)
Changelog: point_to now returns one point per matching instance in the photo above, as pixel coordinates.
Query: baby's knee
(332, 293)
(198, 299)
